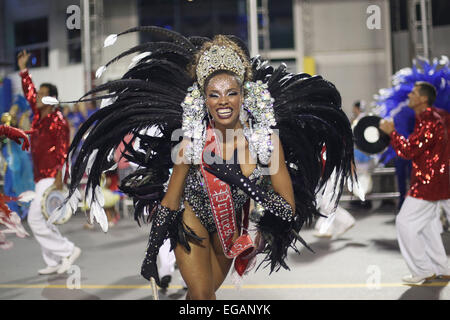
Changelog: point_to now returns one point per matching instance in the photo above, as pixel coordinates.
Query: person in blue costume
(18, 176)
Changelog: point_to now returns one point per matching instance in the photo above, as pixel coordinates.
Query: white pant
(419, 236)
(445, 205)
(166, 265)
(53, 245)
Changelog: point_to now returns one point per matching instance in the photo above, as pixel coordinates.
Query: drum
(368, 137)
(53, 199)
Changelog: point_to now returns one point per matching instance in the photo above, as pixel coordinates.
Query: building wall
(440, 46)
(346, 51)
(2, 34)
(118, 16)
(69, 78)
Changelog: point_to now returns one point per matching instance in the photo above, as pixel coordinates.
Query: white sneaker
(319, 234)
(68, 261)
(343, 222)
(324, 227)
(49, 270)
(418, 279)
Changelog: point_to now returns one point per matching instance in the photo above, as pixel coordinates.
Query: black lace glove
(271, 201)
(164, 220)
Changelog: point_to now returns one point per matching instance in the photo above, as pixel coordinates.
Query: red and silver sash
(222, 207)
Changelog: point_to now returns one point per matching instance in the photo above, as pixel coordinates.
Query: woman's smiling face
(223, 99)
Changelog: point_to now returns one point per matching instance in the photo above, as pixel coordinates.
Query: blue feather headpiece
(391, 102)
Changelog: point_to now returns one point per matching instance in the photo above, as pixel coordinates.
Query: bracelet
(278, 206)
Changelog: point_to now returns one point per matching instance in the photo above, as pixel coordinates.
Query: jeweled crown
(219, 58)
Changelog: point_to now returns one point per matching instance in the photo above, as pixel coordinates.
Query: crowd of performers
(219, 142)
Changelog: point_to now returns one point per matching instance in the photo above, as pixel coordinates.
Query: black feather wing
(148, 95)
(309, 117)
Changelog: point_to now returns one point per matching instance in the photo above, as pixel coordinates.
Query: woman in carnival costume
(194, 89)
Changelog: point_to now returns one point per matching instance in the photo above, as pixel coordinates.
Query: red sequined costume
(418, 226)
(428, 148)
(50, 139)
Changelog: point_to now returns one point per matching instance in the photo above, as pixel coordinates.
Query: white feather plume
(357, 189)
(91, 161)
(110, 40)
(99, 196)
(67, 162)
(88, 195)
(50, 100)
(99, 214)
(113, 167)
(110, 156)
(75, 200)
(108, 101)
(100, 71)
(135, 60)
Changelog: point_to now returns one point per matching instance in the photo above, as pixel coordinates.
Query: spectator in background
(363, 162)
(65, 110)
(112, 197)
(90, 108)
(78, 115)
(357, 110)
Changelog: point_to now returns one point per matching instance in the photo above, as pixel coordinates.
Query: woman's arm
(177, 180)
(279, 174)
(167, 219)
(175, 189)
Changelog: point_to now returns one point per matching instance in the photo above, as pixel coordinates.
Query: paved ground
(365, 263)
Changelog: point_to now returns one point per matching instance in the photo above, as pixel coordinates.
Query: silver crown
(219, 58)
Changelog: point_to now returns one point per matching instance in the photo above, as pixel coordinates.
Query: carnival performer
(18, 171)
(418, 222)
(211, 102)
(8, 218)
(392, 104)
(49, 145)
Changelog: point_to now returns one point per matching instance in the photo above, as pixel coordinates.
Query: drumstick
(154, 288)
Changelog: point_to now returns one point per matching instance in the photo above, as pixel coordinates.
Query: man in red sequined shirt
(418, 224)
(49, 146)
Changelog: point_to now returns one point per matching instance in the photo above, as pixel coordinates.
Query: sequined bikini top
(196, 195)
